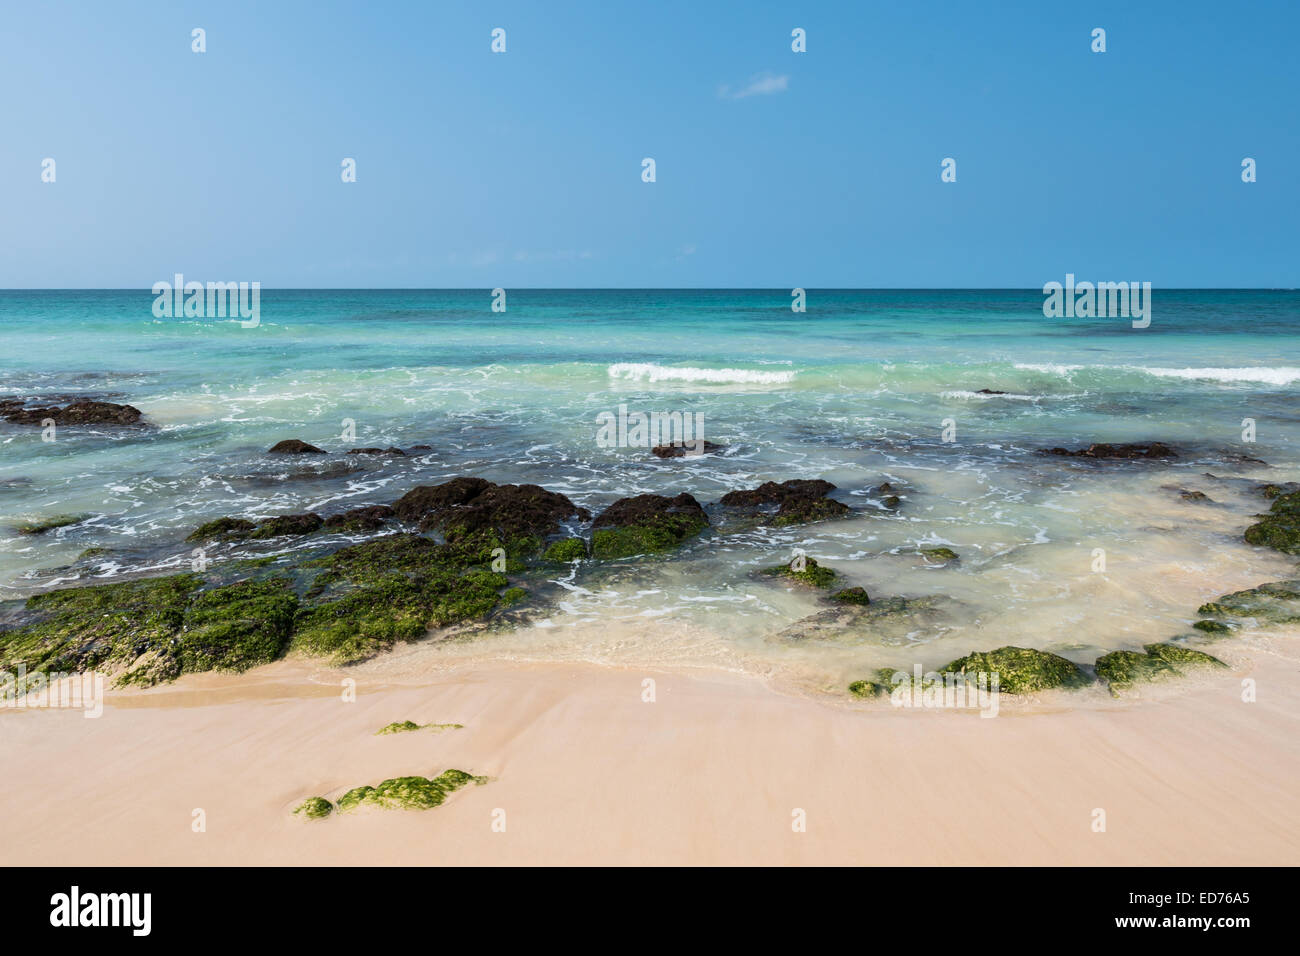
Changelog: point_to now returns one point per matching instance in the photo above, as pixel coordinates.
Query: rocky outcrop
(646, 524)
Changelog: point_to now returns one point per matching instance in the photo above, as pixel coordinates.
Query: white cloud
(760, 84)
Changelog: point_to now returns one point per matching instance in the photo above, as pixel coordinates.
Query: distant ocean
(858, 389)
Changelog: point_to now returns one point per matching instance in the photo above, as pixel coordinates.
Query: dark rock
(287, 524)
(1153, 449)
(464, 510)
(76, 413)
(797, 500)
(989, 391)
(294, 446)
(390, 450)
(222, 528)
(646, 524)
(369, 518)
(685, 449)
(852, 596)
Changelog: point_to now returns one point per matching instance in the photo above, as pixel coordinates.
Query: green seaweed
(854, 595)
(1122, 668)
(238, 626)
(563, 552)
(939, 554)
(651, 537)
(1021, 670)
(222, 528)
(408, 793)
(406, 726)
(812, 573)
(315, 808)
(1280, 528)
(42, 525)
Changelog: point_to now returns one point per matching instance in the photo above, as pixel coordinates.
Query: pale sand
(709, 773)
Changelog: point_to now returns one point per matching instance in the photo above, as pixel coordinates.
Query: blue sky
(523, 169)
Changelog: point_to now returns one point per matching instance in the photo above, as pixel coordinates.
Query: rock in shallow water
(294, 446)
(646, 524)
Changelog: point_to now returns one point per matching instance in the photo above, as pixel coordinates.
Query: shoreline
(709, 773)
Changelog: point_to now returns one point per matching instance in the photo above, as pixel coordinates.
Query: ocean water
(857, 390)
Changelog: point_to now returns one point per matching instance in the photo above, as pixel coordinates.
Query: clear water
(856, 390)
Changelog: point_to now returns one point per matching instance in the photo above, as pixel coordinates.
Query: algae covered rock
(284, 525)
(408, 793)
(377, 593)
(807, 571)
(42, 525)
(222, 528)
(789, 502)
(566, 551)
(315, 808)
(939, 555)
(80, 412)
(360, 520)
(646, 524)
(1125, 451)
(1021, 670)
(474, 512)
(237, 626)
(1277, 602)
(854, 595)
(1280, 528)
(1121, 668)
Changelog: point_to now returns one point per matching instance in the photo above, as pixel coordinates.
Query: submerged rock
(886, 620)
(1021, 670)
(646, 524)
(1274, 603)
(1152, 449)
(390, 450)
(84, 412)
(1121, 668)
(294, 446)
(42, 525)
(939, 555)
(686, 449)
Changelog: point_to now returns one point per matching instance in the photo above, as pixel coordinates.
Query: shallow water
(857, 390)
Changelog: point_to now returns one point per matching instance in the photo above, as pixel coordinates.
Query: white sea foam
(1268, 376)
(1050, 367)
(649, 372)
(961, 393)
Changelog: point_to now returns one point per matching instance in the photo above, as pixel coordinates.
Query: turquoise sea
(857, 390)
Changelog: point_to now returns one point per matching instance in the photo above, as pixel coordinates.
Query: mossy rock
(1275, 603)
(42, 525)
(373, 595)
(646, 524)
(563, 552)
(285, 525)
(812, 574)
(92, 553)
(408, 793)
(106, 626)
(1021, 670)
(1213, 627)
(866, 689)
(223, 528)
(238, 626)
(939, 555)
(1280, 528)
(1122, 668)
(806, 510)
(853, 595)
(512, 596)
(315, 808)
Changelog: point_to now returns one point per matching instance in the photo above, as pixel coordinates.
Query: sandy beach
(711, 772)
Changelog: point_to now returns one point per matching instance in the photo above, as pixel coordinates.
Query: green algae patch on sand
(409, 793)
(107, 626)
(512, 596)
(566, 551)
(372, 595)
(853, 595)
(238, 626)
(314, 808)
(1021, 670)
(406, 726)
(867, 689)
(811, 573)
(222, 528)
(1123, 668)
(42, 525)
(1280, 528)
